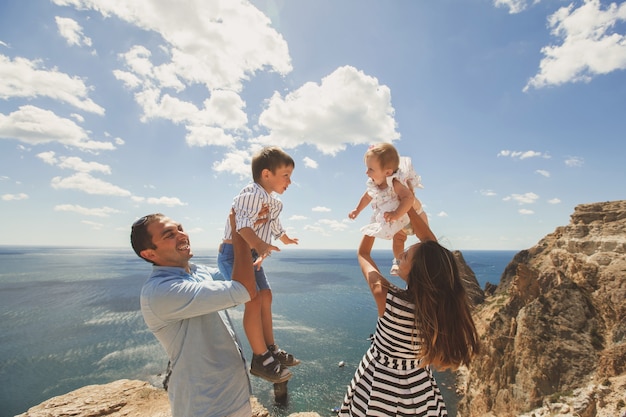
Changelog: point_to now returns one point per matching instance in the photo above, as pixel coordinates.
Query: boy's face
(277, 181)
(375, 171)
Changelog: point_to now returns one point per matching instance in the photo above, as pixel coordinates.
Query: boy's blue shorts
(225, 260)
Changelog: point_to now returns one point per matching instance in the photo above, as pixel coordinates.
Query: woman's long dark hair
(446, 330)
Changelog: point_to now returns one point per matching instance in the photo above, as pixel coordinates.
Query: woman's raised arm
(377, 283)
(420, 228)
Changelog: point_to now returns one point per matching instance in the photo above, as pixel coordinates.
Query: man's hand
(262, 215)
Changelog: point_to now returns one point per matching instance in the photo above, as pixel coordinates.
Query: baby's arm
(406, 197)
(363, 202)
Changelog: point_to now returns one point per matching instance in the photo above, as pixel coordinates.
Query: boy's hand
(287, 240)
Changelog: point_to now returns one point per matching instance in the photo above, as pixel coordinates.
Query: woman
(427, 324)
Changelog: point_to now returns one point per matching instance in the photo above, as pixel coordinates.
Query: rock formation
(553, 331)
(123, 398)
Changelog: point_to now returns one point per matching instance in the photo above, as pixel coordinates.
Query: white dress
(387, 200)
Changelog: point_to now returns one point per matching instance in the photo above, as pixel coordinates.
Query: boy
(256, 219)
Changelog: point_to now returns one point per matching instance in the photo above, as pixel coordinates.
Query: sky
(512, 112)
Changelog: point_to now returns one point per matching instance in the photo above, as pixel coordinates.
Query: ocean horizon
(70, 318)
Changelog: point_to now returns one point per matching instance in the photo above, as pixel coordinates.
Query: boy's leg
(266, 316)
(265, 294)
(225, 260)
(253, 326)
(264, 364)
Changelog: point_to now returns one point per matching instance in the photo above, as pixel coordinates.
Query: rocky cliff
(553, 331)
(123, 398)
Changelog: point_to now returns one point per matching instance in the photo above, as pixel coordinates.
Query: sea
(69, 317)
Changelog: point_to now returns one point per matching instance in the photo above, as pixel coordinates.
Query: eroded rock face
(556, 323)
(123, 398)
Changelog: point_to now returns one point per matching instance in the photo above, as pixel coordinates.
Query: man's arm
(243, 270)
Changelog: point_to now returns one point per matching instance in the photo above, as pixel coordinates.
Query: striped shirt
(247, 205)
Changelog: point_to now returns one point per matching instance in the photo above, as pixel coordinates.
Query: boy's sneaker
(285, 359)
(394, 267)
(267, 367)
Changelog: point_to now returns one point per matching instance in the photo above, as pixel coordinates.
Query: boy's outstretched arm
(288, 240)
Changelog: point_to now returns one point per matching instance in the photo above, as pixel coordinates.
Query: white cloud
(236, 162)
(79, 165)
(309, 163)
(334, 225)
(527, 198)
(215, 44)
(488, 193)
(525, 211)
(218, 44)
(94, 225)
(321, 209)
(348, 107)
(523, 154)
(14, 197)
(32, 125)
(543, 173)
(86, 183)
(48, 157)
(514, 6)
(590, 44)
(298, 217)
(442, 214)
(165, 201)
(554, 201)
(72, 31)
(96, 212)
(574, 161)
(25, 79)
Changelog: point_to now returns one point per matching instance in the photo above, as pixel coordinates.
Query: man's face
(172, 244)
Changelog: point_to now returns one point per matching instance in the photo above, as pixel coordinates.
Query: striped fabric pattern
(247, 205)
(389, 380)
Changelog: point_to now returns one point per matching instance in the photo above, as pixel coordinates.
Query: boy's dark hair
(140, 238)
(272, 158)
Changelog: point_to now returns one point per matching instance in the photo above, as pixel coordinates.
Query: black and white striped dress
(389, 380)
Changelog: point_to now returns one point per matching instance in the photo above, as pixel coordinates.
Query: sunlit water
(69, 317)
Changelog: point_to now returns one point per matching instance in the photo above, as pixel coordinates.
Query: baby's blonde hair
(386, 154)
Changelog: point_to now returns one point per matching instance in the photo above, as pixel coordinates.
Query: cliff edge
(122, 398)
(553, 331)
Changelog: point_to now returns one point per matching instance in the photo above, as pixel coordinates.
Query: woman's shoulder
(398, 293)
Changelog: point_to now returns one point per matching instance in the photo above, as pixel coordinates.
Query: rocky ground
(123, 398)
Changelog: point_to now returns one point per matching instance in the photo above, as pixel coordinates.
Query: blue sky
(511, 110)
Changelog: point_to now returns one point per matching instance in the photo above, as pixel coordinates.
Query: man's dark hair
(140, 238)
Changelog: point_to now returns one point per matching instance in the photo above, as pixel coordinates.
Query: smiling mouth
(183, 247)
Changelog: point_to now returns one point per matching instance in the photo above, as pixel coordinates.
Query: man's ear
(147, 254)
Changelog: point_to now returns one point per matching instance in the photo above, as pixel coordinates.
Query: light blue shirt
(186, 312)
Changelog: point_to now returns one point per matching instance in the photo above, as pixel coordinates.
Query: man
(184, 305)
